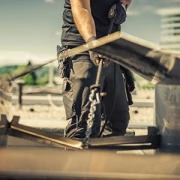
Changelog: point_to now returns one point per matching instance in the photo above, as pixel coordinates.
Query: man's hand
(94, 56)
(120, 14)
(97, 57)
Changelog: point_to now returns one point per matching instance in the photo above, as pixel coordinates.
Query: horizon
(31, 30)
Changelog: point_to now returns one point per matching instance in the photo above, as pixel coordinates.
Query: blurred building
(170, 28)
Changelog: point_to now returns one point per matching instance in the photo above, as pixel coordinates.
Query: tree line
(39, 77)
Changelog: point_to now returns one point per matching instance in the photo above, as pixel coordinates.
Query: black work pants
(76, 90)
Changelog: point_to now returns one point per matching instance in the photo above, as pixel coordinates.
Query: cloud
(168, 11)
(133, 13)
(22, 57)
(58, 33)
(49, 1)
(148, 8)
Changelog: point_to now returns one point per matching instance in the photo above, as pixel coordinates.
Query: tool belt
(65, 64)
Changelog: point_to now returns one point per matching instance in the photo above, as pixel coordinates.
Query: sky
(31, 29)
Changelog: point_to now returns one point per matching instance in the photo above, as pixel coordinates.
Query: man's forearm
(83, 19)
(126, 2)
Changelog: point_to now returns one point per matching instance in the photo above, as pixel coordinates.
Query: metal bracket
(150, 141)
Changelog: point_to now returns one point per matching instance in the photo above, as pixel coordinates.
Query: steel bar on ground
(123, 140)
(40, 136)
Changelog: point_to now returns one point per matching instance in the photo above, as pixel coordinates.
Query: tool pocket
(68, 98)
(64, 64)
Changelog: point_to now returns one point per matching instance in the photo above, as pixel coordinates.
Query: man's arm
(126, 2)
(81, 11)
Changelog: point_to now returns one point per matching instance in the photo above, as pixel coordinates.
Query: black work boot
(110, 130)
(77, 130)
(76, 133)
(74, 129)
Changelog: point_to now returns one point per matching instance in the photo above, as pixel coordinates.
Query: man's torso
(99, 10)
